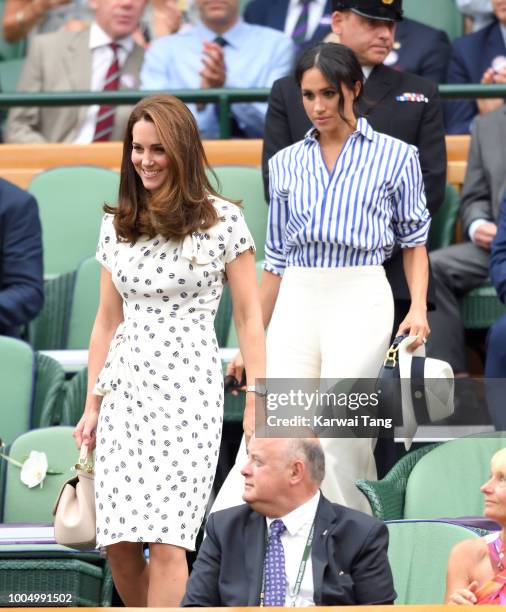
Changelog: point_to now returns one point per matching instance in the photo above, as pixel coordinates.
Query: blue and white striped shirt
(351, 217)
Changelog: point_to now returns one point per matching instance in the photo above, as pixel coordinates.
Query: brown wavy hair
(182, 205)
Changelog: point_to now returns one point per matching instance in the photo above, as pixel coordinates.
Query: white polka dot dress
(159, 430)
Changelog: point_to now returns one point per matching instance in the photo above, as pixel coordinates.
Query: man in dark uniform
(396, 103)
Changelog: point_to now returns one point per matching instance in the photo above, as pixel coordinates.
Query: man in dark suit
(477, 58)
(284, 15)
(253, 553)
(367, 27)
(418, 48)
(21, 281)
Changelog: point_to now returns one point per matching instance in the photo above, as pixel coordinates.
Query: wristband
(261, 391)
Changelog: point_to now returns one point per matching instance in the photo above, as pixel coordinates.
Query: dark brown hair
(182, 205)
(339, 65)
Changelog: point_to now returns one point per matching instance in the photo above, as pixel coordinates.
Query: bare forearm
(416, 269)
(269, 289)
(252, 345)
(20, 17)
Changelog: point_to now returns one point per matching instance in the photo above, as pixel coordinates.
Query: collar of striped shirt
(362, 128)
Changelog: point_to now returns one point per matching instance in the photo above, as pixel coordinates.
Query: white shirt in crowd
(294, 538)
(102, 56)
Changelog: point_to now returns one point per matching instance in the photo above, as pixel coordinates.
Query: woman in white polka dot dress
(155, 392)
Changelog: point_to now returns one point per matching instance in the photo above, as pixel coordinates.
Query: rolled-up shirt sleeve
(275, 258)
(411, 217)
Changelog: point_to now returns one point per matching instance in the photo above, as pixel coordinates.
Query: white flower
(34, 469)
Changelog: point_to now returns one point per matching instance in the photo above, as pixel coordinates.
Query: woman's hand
(464, 597)
(236, 369)
(85, 430)
(415, 324)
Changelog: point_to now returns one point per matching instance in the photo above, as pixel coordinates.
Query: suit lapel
(324, 522)
(277, 15)
(254, 551)
(77, 60)
(495, 44)
(378, 86)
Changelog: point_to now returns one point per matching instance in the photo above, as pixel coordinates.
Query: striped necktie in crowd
(105, 117)
(300, 30)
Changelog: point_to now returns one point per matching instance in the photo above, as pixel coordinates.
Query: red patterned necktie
(105, 117)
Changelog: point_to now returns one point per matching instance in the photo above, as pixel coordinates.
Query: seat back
(84, 304)
(441, 14)
(17, 380)
(70, 202)
(245, 183)
(446, 482)
(9, 74)
(35, 505)
(442, 227)
(49, 391)
(418, 553)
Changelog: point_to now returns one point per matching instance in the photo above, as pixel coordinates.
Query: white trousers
(327, 323)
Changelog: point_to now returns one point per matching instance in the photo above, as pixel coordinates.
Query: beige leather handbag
(74, 510)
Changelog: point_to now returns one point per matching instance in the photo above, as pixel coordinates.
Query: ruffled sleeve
(226, 240)
(239, 236)
(106, 242)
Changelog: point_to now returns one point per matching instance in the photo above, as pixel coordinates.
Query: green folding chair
(49, 388)
(9, 74)
(245, 183)
(418, 553)
(17, 382)
(429, 484)
(47, 568)
(442, 14)
(35, 505)
(49, 330)
(70, 202)
(442, 227)
(84, 305)
(481, 307)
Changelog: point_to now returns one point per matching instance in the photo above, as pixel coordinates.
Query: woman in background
(476, 568)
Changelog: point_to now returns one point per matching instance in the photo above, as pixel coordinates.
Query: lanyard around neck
(300, 573)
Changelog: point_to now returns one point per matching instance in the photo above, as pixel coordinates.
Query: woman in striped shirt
(339, 201)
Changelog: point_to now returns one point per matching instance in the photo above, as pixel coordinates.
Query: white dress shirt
(102, 56)
(294, 538)
(315, 15)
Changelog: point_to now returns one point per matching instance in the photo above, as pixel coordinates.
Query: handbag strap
(85, 463)
(392, 356)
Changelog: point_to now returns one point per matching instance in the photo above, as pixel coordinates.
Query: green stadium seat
(9, 74)
(442, 14)
(17, 382)
(49, 386)
(481, 307)
(428, 483)
(84, 304)
(35, 505)
(442, 227)
(70, 202)
(245, 183)
(418, 552)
